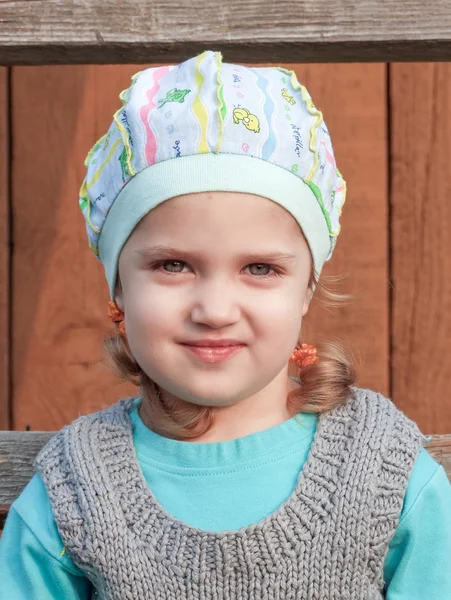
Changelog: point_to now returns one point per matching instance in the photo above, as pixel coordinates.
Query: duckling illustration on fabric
(174, 95)
(248, 119)
(286, 96)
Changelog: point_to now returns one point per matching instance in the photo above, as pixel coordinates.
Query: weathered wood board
(88, 31)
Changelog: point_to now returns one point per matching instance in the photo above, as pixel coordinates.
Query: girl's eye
(171, 262)
(259, 267)
(262, 270)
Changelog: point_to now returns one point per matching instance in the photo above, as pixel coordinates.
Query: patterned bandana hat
(205, 125)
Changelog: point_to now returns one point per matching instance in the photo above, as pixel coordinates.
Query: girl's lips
(213, 354)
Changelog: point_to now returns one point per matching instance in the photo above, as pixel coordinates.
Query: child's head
(227, 165)
(223, 279)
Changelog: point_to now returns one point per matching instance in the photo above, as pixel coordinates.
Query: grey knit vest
(327, 541)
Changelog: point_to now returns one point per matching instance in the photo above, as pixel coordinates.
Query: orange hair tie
(304, 356)
(117, 316)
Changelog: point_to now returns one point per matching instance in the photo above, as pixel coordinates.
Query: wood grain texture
(64, 32)
(353, 101)
(4, 252)
(439, 447)
(60, 293)
(19, 449)
(421, 242)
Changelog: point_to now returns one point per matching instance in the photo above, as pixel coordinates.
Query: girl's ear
(307, 299)
(118, 295)
(118, 300)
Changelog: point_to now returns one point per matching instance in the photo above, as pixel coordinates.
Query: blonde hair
(325, 384)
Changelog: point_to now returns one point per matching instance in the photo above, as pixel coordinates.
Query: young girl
(213, 202)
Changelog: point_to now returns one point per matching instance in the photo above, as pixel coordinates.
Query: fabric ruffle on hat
(207, 125)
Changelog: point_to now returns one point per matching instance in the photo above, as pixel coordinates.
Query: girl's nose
(216, 305)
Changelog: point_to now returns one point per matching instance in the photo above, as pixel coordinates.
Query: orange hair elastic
(304, 356)
(117, 316)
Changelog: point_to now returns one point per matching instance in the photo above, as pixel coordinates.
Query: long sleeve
(32, 567)
(418, 565)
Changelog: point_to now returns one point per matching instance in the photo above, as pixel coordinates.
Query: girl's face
(214, 265)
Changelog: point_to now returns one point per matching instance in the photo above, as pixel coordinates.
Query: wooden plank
(421, 243)
(439, 447)
(4, 252)
(60, 291)
(19, 449)
(64, 32)
(357, 123)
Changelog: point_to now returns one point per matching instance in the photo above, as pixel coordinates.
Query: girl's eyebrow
(160, 251)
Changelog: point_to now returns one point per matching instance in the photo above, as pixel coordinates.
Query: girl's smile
(214, 354)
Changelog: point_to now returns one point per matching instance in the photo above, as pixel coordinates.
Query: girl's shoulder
(115, 415)
(34, 509)
(369, 402)
(374, 409)
(427, 474)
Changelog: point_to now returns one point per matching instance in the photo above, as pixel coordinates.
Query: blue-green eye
(263, 270)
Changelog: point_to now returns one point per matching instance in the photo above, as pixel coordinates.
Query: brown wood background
(391, 133)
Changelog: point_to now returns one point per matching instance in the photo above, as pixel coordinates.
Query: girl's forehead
(217, 225)
(221, 210)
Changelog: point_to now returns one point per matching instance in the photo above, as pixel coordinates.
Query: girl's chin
(205, 399)
(205, 394)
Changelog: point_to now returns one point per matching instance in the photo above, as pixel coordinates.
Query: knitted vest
(327, 541)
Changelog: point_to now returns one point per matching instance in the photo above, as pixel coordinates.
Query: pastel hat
(206, 125)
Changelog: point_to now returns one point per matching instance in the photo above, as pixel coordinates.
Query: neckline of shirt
(259, 447)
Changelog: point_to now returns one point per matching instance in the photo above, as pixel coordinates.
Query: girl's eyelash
(276, 271)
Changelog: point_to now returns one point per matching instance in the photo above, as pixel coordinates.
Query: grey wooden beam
(37, 32)
(18, 450)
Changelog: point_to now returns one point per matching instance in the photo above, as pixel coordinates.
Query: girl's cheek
(151, 320)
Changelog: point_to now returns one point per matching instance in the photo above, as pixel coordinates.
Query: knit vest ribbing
(328, 541)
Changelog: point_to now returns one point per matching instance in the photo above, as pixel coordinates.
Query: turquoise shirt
(228, 485)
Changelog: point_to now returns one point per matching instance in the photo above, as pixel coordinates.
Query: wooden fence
(391, 127)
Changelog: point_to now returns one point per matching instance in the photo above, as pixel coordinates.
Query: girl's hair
(325, 384)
